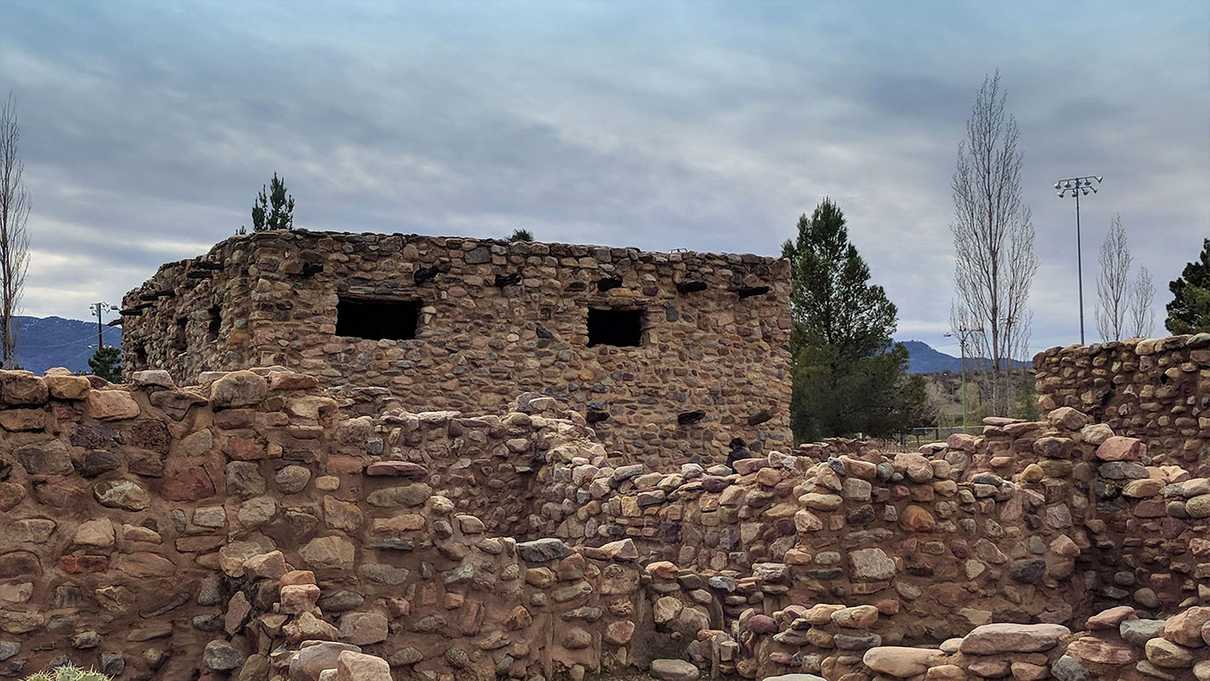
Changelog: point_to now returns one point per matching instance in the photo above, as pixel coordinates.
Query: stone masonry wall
(496, 319)
(156, 531)
(1155, 389)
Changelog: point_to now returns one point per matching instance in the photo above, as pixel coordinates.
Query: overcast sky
(148, 129)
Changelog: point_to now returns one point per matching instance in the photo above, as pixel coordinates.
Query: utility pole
(97, 309)
(1077, 186)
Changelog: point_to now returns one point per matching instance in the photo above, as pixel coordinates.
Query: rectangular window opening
(181, 340)
(378, 319)
(216, 323)
(615, 326)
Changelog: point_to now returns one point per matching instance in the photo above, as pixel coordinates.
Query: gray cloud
(148, 129)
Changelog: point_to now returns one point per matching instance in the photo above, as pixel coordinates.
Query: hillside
(45, 342)
(924, 359)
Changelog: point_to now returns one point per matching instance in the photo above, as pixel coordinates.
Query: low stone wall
(1154, 389)
(211, 531)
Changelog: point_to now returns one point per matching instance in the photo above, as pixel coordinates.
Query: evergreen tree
(274, 209)
(521, 234)
(1189, 311)
(107, 363)
(847, 373)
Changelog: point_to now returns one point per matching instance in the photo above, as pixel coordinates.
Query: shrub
(68, 673)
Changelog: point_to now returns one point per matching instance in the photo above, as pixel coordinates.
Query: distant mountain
(923, 359)
(45, 342)
(48, 342)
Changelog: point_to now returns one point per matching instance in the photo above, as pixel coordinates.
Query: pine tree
(107, 363)
(274, 209)
(846, 370)
(521, 234)
(1189, 311)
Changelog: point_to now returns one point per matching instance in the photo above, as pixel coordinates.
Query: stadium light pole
(1077, 186)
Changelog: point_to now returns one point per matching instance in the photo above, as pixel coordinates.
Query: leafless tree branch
(1115, 259)
(1142, 295)
(14, 240)
(993, 234)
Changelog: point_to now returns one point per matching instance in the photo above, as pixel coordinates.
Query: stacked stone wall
(496, 319)
(211, 531)
(1154, 389)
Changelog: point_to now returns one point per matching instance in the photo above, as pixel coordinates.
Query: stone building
(664, 353)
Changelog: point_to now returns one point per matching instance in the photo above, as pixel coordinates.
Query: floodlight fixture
(1078, 186)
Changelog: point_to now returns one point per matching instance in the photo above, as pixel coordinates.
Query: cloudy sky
(149, 127)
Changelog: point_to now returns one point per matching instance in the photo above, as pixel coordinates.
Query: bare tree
(1142, 295)
(14, 241)
(993, 234)
(1113, 304)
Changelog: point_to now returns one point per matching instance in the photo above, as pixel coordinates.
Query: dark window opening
(606, 283)
(216, 323)
(690, 286)
(181, 341)
(140, 357)
(749, 291)
(621, 327)
(377, 319)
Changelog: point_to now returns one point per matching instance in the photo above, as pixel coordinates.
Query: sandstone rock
(95, 533)
(315, 657)
(666, 609)
(363, 628)
(1068, 418)
(22, 420)
(221, 656)
(66, 387)
(856, 617)
(901, 663)
(995, 639)
(871, 565)
(124, 494)
(111, 405)
(1118, 448)
(414, 494)
(332, 553)
(153, 378)
(1185, 628)
(674, 670)
(397, 469)
(1168, 655)
(1101, 651)
(917, 519)
(21, 388)
(351, 666)
(238, 389)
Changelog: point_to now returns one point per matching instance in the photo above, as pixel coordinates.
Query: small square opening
(377, 319)
(615, 326)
